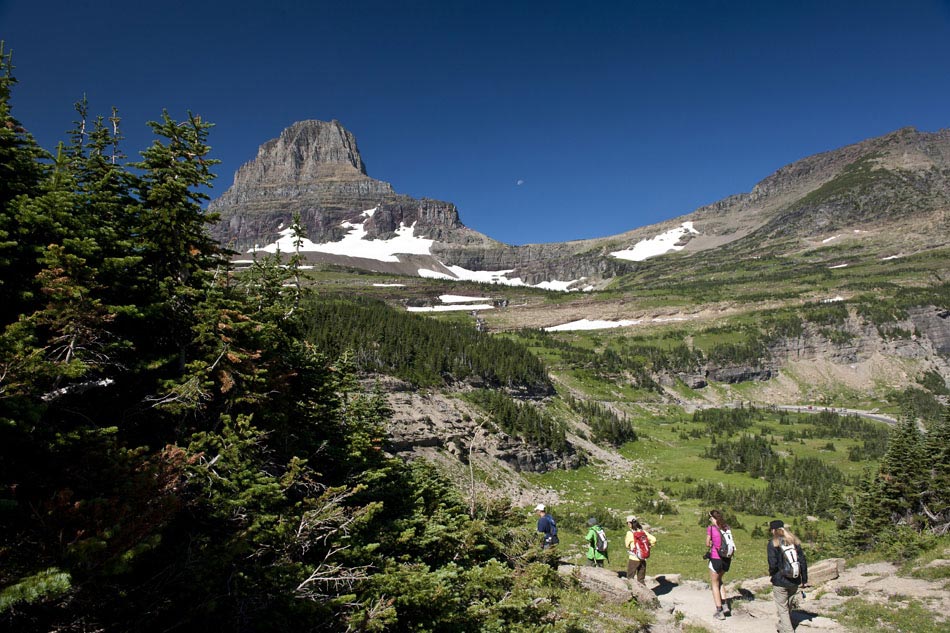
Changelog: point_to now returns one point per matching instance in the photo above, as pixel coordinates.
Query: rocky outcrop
(610, 585)
(422, 420)
(733, 374)
(934, 324)
(818, 574)
(523, 457)
(314, 168)
(825, 570)
(924, 335)
(730, 374)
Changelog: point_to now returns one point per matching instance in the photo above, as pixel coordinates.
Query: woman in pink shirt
(717, 566)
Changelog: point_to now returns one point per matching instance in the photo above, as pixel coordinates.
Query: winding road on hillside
(803, 408)
(871, 415)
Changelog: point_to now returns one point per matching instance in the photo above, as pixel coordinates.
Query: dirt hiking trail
(753, 610)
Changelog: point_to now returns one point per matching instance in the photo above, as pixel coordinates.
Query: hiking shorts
(719, 565)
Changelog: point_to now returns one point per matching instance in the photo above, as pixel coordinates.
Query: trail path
(801, 408)
(870, 415)
(753, 610)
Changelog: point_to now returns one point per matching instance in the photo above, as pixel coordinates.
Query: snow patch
(833, 299)
(493, 277)
(460, 299)
(838, 266)
(451, 308)
(562, 286)
(389, 285)
(355, 244)
(662, 243)
(887, 259)
(589, 324)
(833, 237)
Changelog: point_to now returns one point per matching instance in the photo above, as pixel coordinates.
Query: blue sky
(612, 115)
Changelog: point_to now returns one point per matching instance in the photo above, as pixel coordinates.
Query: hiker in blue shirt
(547, 527)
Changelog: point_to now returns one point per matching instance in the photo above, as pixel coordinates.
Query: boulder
(610, 585)
(818, 573)
(940, 562)
(825, 570)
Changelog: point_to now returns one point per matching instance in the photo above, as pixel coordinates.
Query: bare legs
(715, 581)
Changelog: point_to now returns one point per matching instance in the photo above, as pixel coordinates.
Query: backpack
(601, 542)
(791, 567)
(641, 545)
(727, 546)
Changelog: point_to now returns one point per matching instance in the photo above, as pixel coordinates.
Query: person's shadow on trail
(664, 586)
(799, 616)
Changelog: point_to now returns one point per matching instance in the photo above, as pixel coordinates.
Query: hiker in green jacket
(596, 544)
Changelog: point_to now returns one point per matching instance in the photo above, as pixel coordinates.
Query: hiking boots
(719, 615)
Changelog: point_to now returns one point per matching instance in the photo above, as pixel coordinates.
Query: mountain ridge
(314, 168)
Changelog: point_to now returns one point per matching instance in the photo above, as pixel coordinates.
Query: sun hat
(631, 518)
(592, 522)
(776, 524)
(539, 508)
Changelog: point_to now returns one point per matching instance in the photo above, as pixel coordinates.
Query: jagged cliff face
(314, 168)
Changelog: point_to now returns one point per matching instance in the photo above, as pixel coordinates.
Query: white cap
(631, 518)
(539, 508)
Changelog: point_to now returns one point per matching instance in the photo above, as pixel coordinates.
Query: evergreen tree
(902, 473)
(21, 172)
(178, 253)
(936, 495)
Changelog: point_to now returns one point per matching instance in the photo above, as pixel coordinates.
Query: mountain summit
(314, 168)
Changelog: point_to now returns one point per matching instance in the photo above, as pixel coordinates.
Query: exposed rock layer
(314, 168)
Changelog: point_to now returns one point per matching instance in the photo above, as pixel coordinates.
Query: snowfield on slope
(356, 244)
(662, 243)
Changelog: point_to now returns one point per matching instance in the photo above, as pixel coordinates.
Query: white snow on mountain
(482, 276)
(561, 286)
(662, 243)
(495, 277)
(460, 299)
(838, 266)
(355, 244)
(594, 324)
(451, 308)
(589, 324)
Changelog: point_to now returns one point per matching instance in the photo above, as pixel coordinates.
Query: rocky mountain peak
(305, 151)
(314, 168)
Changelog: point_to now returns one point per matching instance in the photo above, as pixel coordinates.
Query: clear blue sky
(613, 115)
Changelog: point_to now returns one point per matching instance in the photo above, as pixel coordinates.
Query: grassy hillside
(717, 308)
